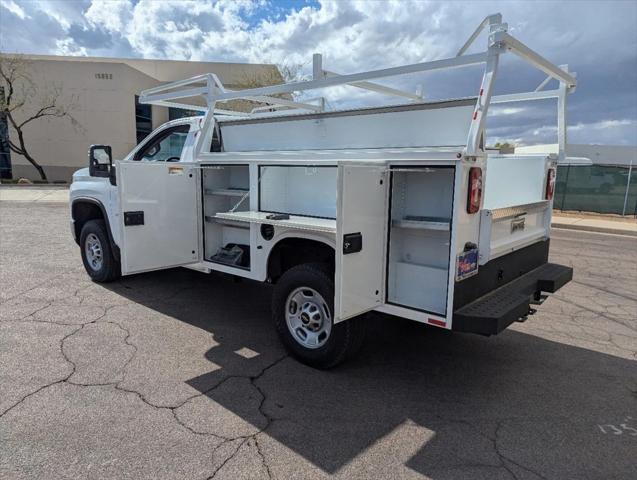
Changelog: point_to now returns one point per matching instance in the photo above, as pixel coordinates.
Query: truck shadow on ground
(444, 405)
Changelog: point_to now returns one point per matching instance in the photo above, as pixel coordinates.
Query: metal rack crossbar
(279, 97)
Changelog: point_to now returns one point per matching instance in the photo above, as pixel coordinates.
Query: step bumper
(495, 311)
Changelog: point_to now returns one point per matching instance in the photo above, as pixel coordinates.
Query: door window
(166, 146)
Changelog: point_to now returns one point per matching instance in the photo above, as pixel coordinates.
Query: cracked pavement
(177, 374)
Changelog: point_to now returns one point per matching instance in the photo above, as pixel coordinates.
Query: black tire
(110, 268)
(345, 337)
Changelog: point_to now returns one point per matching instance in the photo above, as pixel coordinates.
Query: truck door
(361, 236)
(158, 215)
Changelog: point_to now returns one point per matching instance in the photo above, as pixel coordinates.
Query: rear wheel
(303, 313)
(97, 253)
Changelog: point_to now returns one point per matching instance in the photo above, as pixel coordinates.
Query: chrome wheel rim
(308, 317)
(93, 251)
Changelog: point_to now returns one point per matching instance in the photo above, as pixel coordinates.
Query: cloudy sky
(598, 39)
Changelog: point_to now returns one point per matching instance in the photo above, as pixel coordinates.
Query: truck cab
(94, 189)
(397, 209)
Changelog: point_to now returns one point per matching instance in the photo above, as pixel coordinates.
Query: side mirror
(100, 160)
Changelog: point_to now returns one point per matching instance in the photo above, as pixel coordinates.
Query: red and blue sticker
(467, 264)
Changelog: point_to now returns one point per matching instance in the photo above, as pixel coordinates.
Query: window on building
(143, 119)
(175, 113)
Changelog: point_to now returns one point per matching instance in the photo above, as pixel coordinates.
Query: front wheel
(97, 253)
(303, 313)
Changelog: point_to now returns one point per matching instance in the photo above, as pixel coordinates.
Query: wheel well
(82, 212)
(289, 252)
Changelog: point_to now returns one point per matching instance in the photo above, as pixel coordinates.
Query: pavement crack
(264, 460)
(58, 381)
(244, 438)
(228, 458)
(605, 290)
(29, 289)
(496, 448)
(23, 399)
(601, 314)
(504, 459)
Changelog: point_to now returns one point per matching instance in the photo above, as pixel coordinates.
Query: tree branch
(42, 112)
(14, 148)
(21, 91)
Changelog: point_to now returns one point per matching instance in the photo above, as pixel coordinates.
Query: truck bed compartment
(419, 237)
(225, 188)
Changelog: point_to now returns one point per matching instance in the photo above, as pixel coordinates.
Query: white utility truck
(398, 209)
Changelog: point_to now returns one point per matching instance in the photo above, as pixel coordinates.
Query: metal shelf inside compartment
(423, 222)
(229, 264)
(231, 223)
(231, 192)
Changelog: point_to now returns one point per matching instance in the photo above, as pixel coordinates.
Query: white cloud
(504, 111)
(596, 38)
(67, 47)
(111, 15)
(603, 125)
(14, 8)
(619, 132)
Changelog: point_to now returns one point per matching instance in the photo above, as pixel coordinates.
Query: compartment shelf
(224, 221)
(295, 221)
(231, 192)
(434, 224)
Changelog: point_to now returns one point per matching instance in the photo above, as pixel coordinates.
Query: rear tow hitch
(538, 299)
(524, 318)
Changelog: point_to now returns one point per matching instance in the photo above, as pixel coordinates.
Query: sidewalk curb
(51, 186)
(586, 228)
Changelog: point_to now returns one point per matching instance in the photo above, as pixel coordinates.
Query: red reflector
(438, 323)
(550, 184)
(475, 114)
(481, 91)
(475, 190)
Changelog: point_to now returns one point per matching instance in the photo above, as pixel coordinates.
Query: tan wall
(170, 70)
(104, 110)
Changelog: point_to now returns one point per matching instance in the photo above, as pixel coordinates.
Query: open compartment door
(360, 239)
(158, 215)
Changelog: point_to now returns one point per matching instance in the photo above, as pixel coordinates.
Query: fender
(98, 204)
(293, 235)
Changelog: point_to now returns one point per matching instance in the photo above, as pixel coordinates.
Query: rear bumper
(495, 311)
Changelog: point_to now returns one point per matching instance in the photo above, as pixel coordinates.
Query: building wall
(102, 92)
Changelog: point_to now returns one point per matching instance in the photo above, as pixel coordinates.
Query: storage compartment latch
(352, 243)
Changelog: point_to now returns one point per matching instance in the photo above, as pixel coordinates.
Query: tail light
(550, 184)
(475, 190)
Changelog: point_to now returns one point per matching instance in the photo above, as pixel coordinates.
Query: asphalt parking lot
(177, 374)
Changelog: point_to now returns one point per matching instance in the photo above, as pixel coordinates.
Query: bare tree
(23, 102)
(283, 73)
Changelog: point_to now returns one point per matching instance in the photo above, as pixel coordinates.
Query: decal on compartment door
(467, 264)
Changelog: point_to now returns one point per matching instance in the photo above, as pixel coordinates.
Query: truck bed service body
(398, 209)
